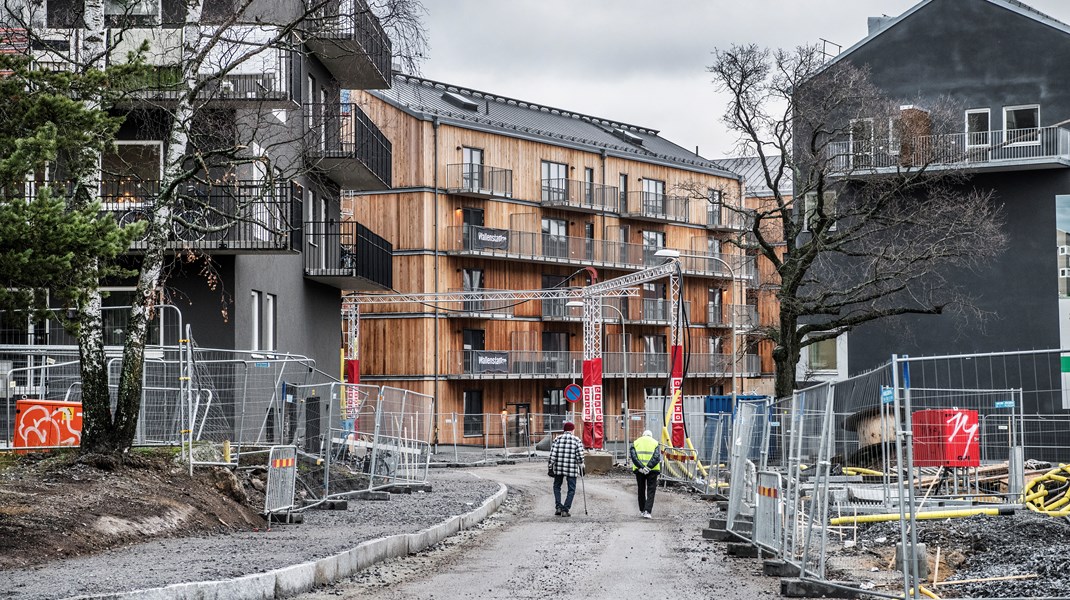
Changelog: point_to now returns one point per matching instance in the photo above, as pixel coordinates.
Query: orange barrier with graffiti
(43, 423)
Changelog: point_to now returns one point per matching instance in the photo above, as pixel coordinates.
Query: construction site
(925, 477)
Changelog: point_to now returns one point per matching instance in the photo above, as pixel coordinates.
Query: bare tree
(881, 212)
(171, 85)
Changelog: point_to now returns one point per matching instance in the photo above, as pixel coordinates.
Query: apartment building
(1002, 61)
(268, 214)
(497, 193)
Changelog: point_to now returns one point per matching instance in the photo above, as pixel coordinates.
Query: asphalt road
(525, 552)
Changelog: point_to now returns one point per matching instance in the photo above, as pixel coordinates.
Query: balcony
(582, 196)
(479, 181)
(347, 256)
(533, 364)
(650, 206)
(220, 218)
(722, 218)
(349, 40)
(479, 308)
(490, 242)
(344, 144)
(746, 316)
(1015, 149)
(263, 75)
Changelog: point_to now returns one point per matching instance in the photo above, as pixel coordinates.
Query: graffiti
(48, 425)
(964, 424)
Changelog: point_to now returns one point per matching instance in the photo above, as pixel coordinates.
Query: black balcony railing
(225, 215)
(350, 41)
(340, 134)
(658, 207)
(347, 250)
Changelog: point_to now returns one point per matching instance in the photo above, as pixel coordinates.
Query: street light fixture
(672, 254)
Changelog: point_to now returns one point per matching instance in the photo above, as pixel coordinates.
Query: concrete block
(718, 523)
(598, 463)
(717, 535)
(742, 550)
(921, 556)
(369, 495)
(713, 497)
(798, 588)
(779, 568)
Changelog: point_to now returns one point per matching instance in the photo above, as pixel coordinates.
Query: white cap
(648, 434)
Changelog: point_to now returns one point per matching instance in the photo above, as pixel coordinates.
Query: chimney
(878, 23)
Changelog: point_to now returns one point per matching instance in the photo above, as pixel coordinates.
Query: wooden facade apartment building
(493, 193)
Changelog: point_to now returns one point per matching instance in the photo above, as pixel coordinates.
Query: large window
(473, 169)
(262, 310)
(713, 207)
(1020, 124)
(472, 280)
(473, 412)
(588, 185)
(822, 355)
(622, 183)
(555, 238)
(653, 197)
(554, 307)
(119, 13)
(652, 242)
(130, 172)
(554, 181)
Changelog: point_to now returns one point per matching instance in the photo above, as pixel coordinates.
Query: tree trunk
(786, 356)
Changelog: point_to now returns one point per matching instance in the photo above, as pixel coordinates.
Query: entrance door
(473, 219)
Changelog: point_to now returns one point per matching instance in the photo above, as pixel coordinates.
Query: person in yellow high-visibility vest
(645, 454)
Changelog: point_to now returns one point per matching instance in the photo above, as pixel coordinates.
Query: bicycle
(190, 223)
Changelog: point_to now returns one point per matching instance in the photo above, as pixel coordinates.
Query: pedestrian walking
(565, 465)
(646, 464)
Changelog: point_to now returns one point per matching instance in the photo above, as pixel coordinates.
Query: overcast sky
(641, 62)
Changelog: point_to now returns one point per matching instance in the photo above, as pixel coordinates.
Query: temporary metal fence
(361, 437)
(483, 437)
(281, 478)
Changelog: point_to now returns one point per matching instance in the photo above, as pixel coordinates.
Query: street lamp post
(623, 350)
(672, 254)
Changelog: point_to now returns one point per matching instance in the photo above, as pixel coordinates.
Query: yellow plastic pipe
(932, 514)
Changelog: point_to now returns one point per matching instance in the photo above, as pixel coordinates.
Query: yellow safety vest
(644, 449)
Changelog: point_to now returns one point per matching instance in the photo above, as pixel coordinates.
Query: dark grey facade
(1000, 60)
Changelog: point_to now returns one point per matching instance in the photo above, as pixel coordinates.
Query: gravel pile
(977, 547)
(206, 558)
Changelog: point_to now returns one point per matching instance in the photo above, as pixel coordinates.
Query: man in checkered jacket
(566, 464)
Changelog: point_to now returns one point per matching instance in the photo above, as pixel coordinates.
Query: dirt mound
(62, 505)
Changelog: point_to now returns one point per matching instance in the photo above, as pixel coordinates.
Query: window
(472, 175)
(1020, 124)
(588, 185)
(473, 412)
(653, 197)
(714, 315)
(810, 210)
(554, 238)
(119, 13)
(713, 207)
(268, 336)
(130, 172)
(473, 340)
(554, 352)
(623, 185)
(554, 181)
(978, 124)
(652, 242)
(472, 218)
(588, 240)
(862, 143)
(554, 307)
(472, 280)
(655, 304)
(822, 355)
(254, 320)
(553, 403)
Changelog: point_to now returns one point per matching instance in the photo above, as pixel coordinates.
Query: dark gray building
(1005, 64)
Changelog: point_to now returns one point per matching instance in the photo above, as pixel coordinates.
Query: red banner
(352, 370)
(676, 384)
(592, 404)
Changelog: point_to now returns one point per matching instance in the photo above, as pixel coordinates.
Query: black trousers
(647, 485)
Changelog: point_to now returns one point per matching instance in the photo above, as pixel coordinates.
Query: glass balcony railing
(580, 195)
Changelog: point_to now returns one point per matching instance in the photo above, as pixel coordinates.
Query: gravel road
(525, 552)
